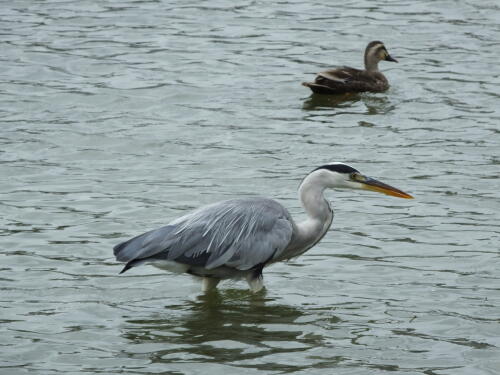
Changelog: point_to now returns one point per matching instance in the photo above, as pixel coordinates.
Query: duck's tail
(320, 89)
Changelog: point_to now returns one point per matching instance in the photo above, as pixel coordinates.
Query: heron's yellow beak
(380, 187)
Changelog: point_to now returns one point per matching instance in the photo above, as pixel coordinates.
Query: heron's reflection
(225, 326)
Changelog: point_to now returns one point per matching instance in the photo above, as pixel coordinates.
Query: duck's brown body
(345, 79)
(342, 80)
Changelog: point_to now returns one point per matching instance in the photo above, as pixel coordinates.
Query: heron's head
(375, 52)
(343, 176)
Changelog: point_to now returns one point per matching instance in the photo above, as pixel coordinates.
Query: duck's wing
(346, 79)
(339, 75)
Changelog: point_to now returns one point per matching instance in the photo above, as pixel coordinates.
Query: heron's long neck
(319, 213)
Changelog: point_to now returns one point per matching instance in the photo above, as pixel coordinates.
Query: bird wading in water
(237, 238)
(350, 80)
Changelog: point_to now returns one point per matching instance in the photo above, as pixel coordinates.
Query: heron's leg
(209, 283)
(255, 281)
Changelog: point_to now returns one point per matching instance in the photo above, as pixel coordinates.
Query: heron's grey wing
(144, 245)
(239, 233)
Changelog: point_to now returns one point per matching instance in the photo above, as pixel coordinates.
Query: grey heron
(237, 238)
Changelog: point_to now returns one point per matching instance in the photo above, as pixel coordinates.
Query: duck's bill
(390, 58)
(380, 187)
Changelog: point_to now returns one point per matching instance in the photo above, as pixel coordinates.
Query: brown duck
(345, 79)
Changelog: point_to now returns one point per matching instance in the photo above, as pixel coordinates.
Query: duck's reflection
(377, 104)
(225, 326)
(374, 103)
(317, 101)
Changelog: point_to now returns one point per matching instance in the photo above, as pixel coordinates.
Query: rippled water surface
(118, 117)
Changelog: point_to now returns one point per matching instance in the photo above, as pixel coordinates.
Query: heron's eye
(357, 177)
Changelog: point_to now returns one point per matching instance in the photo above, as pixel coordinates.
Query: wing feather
(239, 233)
(346, 79)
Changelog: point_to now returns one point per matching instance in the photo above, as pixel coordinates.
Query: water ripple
(117, 118)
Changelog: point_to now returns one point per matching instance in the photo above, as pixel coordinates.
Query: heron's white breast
(169, 265)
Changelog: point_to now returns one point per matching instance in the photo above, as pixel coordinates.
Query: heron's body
(348, 80)
(237, 238)
(228, 239)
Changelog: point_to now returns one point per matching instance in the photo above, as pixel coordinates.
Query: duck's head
(375, 52)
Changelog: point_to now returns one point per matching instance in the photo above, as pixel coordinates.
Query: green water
(119, 117)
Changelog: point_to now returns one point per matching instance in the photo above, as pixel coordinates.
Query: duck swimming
(345, 79)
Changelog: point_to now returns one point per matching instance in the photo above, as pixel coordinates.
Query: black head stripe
(340, 168)
(374, 43)
(379, 46)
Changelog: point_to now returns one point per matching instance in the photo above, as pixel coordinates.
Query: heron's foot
(255, 282)
(209, 283)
